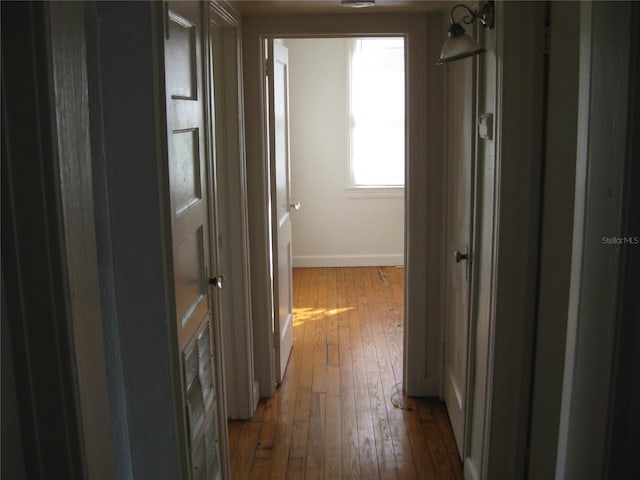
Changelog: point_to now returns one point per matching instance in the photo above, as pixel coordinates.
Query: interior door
(278, 93)
(460, 128)
(188, 177)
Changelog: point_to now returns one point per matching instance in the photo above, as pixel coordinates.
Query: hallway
(334, 414)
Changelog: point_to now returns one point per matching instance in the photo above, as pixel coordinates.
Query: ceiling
(261, 7)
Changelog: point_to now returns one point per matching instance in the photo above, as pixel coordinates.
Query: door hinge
(267, 67)
(276, 339)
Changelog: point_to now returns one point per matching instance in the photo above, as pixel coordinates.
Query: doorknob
(217, 282)
(295, 206)
(459, 256)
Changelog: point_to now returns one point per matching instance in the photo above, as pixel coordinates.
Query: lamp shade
(458, 45)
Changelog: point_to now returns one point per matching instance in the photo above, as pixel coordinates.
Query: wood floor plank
(368, 457)
(319, 352)
(435, 444)
(300, 431)
(332, 417)
(242, 456)
(375, 365)
(260, 469)
(268, 429)
(447, 438)
(333, 425)
(282, 444)
(404, 461)
(420, 450)
(332, 307)
(296, 469)
(349, 441)
(316, 442)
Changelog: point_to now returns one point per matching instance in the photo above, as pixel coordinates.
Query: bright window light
(377, 112)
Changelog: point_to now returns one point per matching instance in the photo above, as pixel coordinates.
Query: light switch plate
(485, 126)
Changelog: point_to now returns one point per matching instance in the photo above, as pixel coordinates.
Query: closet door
(191, 205)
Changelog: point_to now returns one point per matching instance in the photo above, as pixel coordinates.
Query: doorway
(423, 285)
(347, 155)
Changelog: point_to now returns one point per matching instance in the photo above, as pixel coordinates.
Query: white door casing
(423, 206)
(278, 111)
(242, 394)
(460, 133)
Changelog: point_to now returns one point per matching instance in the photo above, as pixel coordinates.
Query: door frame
(52, 326)
(230, 172)
(506, 235)
(422, 366)
(602, 306)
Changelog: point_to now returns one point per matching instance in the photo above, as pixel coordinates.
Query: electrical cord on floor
(396, 397)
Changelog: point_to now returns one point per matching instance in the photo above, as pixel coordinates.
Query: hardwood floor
(333, 416)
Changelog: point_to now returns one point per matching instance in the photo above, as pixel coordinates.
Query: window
(377, 115)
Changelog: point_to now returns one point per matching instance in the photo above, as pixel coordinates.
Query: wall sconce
(459, 44)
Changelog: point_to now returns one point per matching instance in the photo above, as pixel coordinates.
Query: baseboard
(256, 396)
(470, 471)
(348, 260)
(426, 387)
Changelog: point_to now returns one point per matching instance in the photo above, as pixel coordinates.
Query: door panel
(190, 282)
(183, 48)
(285, 296)
(190, 229)
(460, 130)
(278, 84)
(187, 155)
(185, 174)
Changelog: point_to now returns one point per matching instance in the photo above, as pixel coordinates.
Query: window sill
(374, 192)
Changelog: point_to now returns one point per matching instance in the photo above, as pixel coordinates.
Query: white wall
(331, 229)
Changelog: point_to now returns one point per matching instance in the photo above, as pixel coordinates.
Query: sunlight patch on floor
(310, 314)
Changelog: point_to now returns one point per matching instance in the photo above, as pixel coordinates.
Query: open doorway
(336, 122)
(347, 164)
(333, 414)
(423, 189)
(347, 140)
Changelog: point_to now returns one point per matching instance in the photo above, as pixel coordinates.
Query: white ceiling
(261, 7)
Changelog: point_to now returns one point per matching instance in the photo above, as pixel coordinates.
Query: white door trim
(508, 236)
(233, 240)
(424, 259)
(603, 160)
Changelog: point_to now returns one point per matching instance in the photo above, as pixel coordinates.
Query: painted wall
(332, 229)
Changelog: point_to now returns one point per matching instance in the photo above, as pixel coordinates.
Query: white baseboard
(348, 260)
(470, 471)
(256, 396)
(424, 387)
